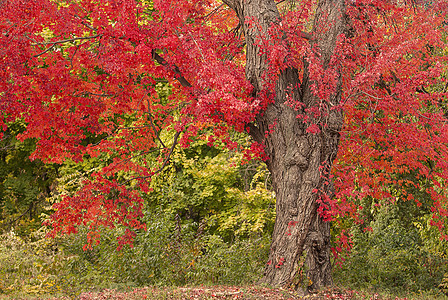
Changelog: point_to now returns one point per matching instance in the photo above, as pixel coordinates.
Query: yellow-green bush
(29, 266)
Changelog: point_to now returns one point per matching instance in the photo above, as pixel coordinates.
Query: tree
(297, 76)
(25, 186)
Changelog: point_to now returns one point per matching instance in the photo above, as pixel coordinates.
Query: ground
(218, 292)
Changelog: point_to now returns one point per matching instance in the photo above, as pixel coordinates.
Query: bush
(393, 256)
(242, 262)
(168, 253)
(29, 266)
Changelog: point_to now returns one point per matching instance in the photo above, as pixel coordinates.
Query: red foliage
(395, 107)
(77, 71)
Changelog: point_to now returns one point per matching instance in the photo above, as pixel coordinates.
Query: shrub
(242, 262)
(29, 266)
(394, 256)
(165, 254)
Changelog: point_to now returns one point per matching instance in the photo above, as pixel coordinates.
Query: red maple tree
(304, 79)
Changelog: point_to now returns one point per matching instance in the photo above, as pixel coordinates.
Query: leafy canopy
(118, 80)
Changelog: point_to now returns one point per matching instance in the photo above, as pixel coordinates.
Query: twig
(167, 159)
(367, 94)
(43, 52)
(61, 42)
(69, 40)
(153, 126)
(212, 12)
(200, 50)
(165, 162)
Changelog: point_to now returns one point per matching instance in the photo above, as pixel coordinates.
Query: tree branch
(167, 159)
(255, 133)
(164, 164)
(69, 40)
(154, 126)
(231, 3)
(61, 42)
(306, 35)
(213, 12)
(173, 68)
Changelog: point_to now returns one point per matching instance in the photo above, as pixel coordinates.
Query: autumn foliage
(394, 138)
(85, 77)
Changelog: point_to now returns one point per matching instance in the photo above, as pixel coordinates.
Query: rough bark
(300, 250)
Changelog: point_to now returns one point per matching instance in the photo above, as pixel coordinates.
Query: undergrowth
(171, 254)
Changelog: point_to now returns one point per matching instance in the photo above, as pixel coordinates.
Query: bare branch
(164, 164)
(255, 133)
(154, 126)
(94, 94)
(167, 159)
(131, 127)
(306, 35)
(45, 51)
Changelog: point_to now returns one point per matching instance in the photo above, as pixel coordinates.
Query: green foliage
(209, 186)
(209, 220)
(204, 208)
(242, 262)
(105, 267)
(443, 286)
(24, 184)
(29, 266)
(252, 214)
(164, 255)
(395, 254)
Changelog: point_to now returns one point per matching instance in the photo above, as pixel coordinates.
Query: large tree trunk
(299, 161)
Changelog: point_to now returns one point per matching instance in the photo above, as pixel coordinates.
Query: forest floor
(217, 292)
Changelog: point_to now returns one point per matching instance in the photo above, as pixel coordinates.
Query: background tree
(73, 70)
(25, 186)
